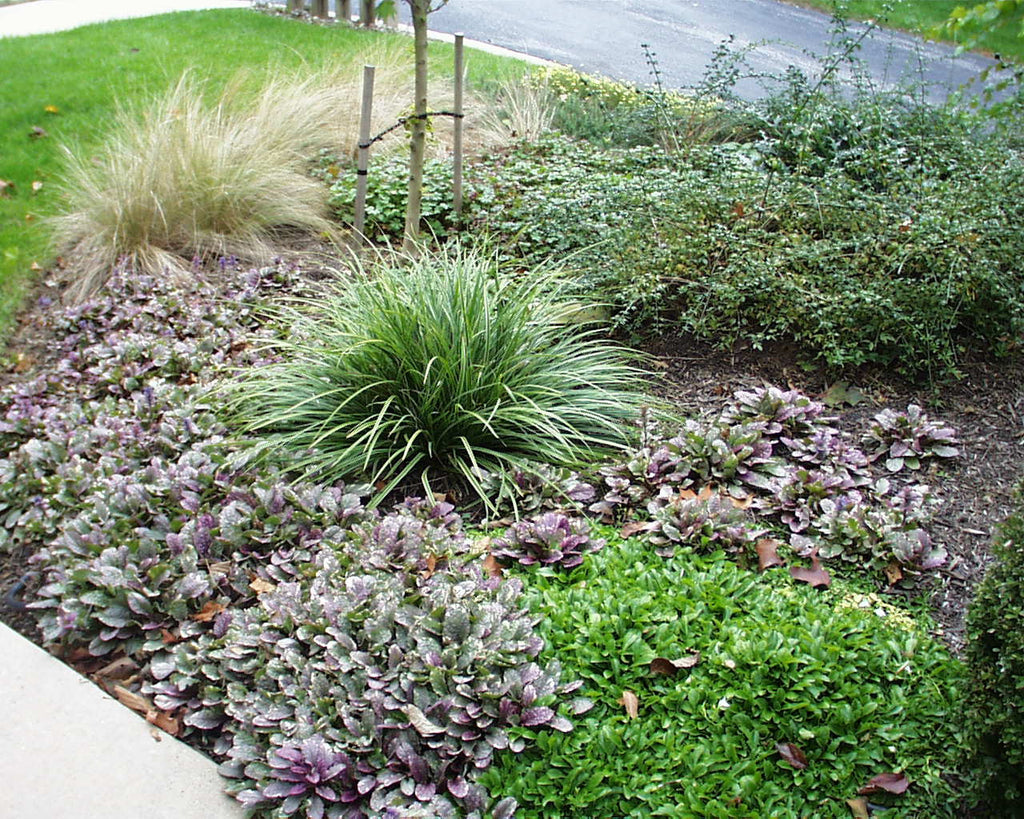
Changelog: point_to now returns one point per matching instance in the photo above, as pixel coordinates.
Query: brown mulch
(986, 407)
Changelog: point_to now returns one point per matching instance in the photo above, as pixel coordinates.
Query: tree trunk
(320, 9)
(418, 132)
(344, 11)
(368, 13)
(296, 5)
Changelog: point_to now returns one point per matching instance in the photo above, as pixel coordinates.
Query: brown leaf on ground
(37, 132)
(208, 612)
(635, 528)
(895, 783)
(130, 699)
(768, 554)
(893, 573)
(431, 567)
(858, 807)
(792, 754)
(165, 722)
(260, 586)
(816, 576)
(492, 568)
(120, 669)
(669, 668)
(631, 702)
(169, 638)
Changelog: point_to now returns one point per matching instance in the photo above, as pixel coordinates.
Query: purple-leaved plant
(552, 539)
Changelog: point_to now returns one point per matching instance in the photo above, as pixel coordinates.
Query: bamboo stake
(364, 153)
(457, 169)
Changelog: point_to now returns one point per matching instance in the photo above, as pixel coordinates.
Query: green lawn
(69, 85)
(920, 16)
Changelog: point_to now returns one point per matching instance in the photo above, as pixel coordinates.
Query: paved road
(604, 37)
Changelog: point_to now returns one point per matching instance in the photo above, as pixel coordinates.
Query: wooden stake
(364, 153)
(457, 162)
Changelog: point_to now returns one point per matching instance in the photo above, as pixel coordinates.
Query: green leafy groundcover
(859, 691)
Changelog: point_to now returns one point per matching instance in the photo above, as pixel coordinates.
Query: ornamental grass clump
(443, 370)
(192, 176)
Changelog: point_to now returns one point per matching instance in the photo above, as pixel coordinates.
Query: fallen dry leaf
(896, 783)
(209, 611)
(634, 528)
(420, 722)
(222, 567)
(492, 568)
(35, 266)
(669, 668)
(631, 703)
(37, 186)
(52, 109)
(428, 572)
(858, 807)
(130, 699)
(815, 576)
(168, 637)
(768, 554)
(893, 573)
(741, 503)
(792, 754)
(37, 132)
(22, 363)
(120, 669)
(165, 722)
(260, 586)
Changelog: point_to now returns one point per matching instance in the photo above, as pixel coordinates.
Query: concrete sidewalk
(69, 751)
(47, 16)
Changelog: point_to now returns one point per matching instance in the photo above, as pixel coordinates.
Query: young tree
(418, 129)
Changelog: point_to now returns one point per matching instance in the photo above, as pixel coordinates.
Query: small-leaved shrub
(994, 701)
(902, 261)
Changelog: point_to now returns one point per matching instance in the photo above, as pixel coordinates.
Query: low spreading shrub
(436, 371)
(994, 701)
(904, 269)
(387, 191)
(718, 692)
